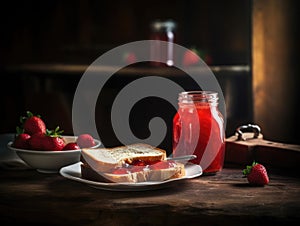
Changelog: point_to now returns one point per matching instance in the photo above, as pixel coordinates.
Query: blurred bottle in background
(162, 31)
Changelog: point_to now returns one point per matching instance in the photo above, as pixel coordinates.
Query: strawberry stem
(29, 114)
(249, 168)
(54, 133)
(19, 130)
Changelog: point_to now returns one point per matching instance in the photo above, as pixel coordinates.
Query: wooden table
(30, 197)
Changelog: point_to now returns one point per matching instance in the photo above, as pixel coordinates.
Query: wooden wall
(275, 51)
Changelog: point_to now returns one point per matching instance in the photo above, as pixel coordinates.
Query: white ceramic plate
(50, 161)
(73, 172)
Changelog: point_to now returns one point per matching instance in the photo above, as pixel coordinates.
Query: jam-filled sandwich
(129, 164)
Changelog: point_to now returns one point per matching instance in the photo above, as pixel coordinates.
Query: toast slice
(105, 159)
(131, 164)
(177, 171)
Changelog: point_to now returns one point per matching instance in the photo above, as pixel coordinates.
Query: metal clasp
(254, 128)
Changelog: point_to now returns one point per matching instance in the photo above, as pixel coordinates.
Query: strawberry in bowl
(85, 140)
(64, 151)
(43, 149)
(71, 146)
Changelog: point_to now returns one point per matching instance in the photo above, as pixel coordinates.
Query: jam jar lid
(166, 25)
(198, 96)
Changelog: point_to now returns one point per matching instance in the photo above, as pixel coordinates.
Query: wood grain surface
(30, 197)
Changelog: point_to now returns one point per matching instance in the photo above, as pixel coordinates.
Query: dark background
(78, 31)
(42, 41)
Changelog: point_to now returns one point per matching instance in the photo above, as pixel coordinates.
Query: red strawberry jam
(162, 165)
(198, 128)
(135, 169)
(139, 165)
(120, 170)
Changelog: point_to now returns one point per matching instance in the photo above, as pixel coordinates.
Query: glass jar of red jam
(163, 31)
(198, 129)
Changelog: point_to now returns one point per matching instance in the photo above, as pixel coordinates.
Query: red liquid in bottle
(198, 128)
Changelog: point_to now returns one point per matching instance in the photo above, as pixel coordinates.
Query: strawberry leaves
(19, 130)
(248, 169)
(54, 133)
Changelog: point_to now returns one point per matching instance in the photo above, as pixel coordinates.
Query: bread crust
(105, 159)
(98, 164)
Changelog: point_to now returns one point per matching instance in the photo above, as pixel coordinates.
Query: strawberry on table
(33, 124)
(85, 141)
(256, 174)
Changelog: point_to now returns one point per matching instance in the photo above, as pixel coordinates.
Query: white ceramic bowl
(50, 161)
